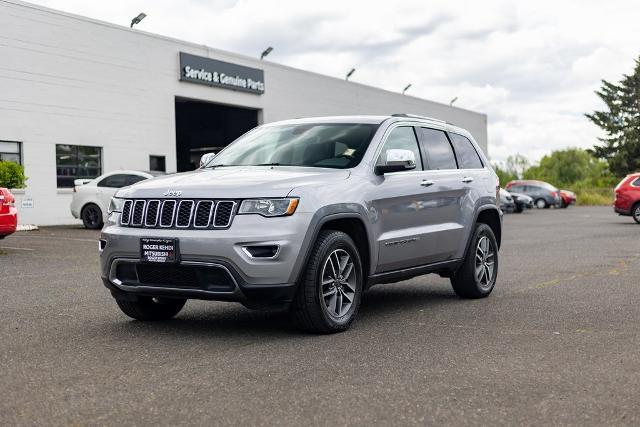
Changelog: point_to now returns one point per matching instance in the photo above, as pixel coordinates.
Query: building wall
(66, 79)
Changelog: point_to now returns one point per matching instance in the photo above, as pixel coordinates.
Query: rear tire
(476, 277)
(92, 217)
(541, 204)
(151, 308)
(635, 212)
(328, 296)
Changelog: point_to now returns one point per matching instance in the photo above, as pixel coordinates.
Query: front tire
(328, 297)
(151, 308)
(92, 217)
(476, 277)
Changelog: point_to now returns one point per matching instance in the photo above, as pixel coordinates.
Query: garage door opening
(204, 127)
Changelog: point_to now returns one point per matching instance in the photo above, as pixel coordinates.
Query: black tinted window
(132, 179)
(467, 156)
(401, 138)
(120, 180)
(439, 151)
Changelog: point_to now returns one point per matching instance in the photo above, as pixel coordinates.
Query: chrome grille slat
(183, 214)
(126, 212)
(224, 214)
(152, 213)
(204, 211)
(167, 213)
(138, 212)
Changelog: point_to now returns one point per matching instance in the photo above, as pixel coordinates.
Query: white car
(91, 197)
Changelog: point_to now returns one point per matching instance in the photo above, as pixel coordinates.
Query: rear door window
(466, 154)
(438, 149)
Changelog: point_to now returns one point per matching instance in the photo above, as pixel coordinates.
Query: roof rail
(415, 116)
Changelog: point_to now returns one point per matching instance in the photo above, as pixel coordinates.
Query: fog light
(262, 251)
(102, 244)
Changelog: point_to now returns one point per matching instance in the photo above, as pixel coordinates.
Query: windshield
(323, 145)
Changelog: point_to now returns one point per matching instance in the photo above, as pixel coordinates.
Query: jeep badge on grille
(172, 193)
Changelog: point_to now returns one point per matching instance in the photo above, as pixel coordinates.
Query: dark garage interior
(204, 127)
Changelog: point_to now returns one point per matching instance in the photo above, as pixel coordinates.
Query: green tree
(571, 167)
(504, 175)
(621, 122)
(517, 164)
(12, 175)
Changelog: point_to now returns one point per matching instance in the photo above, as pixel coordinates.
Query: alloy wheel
(92, 216)
(485, 263)
(338, 286)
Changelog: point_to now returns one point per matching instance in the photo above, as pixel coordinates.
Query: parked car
(307, 214)
(544, 195)
(627, 200)
(567, 198)
(8, 213)
(507, 204)
(91, 197)
(522, 202)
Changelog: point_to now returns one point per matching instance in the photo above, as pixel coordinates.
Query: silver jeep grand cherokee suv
(307, 214)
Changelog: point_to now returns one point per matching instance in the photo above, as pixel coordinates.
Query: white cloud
(531, 66)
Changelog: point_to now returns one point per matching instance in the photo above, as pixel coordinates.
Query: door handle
(467, 179)
(426, 183)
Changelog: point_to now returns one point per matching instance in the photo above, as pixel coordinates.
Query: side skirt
(444, 268)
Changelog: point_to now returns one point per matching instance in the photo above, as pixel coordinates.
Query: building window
(77, 162)
(10, 151)
(157, 164)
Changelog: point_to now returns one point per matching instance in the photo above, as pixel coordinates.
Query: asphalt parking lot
(556, 343)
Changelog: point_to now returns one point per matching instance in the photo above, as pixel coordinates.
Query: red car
(8, 213)
(628, 196)
(567, 198)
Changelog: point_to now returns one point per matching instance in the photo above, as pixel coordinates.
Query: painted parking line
(49, 237)
(15, 249)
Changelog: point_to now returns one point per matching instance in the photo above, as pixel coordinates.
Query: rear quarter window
(466, 153)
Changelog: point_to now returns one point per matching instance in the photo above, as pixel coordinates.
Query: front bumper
(248, 280)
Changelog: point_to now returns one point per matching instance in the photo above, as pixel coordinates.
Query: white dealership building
(81, 97)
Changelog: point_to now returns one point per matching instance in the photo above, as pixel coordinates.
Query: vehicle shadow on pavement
(235, 321)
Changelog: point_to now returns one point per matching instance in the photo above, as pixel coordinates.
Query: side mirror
(206, 158)
(397, 160)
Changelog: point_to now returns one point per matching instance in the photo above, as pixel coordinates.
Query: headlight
(269, 207)
(115, 205)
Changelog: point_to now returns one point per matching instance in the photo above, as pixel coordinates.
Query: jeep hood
(235, 182)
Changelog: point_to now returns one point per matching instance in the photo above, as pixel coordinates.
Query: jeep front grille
(170, 213)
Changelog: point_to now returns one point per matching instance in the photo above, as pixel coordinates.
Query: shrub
(594, 196)
(12, 175)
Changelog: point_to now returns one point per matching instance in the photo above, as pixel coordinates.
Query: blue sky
(532, 67)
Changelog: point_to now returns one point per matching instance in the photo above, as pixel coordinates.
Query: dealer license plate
(159, 250)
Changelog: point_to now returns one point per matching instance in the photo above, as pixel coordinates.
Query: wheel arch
(353, 224)
(490, 215)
